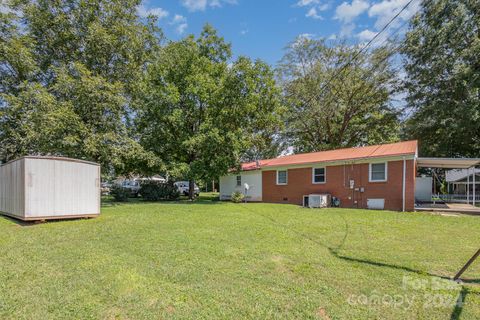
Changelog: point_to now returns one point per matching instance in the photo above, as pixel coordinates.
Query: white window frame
(324, 175)
(286, 176)
(236, 181)
(370, 179)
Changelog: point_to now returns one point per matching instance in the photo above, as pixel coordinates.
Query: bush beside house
(155, 191)
(237, 197)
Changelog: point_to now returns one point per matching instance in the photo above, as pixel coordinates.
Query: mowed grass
(216, 260)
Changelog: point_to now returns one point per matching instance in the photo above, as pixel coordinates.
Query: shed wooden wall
(12, 187)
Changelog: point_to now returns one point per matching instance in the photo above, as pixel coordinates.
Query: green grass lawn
(211, 259)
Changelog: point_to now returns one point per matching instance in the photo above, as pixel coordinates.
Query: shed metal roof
(53, 158)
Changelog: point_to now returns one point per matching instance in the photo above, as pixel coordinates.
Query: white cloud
(385, 10)
(201, 5)
(324, 7)
(181, 28)
(194, 5)
(243, 32)
(179, 19)
(180, 23)
(307, 36)
(346, 30)
(312, 13)
(333, 36)
(314, 7)
(144, 11)
(366, 35)
(347, 12)
(304, 3)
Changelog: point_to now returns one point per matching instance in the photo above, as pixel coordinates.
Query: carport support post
(473, 186)
(468, 186)
(403, 184)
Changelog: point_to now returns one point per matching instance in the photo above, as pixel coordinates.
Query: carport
(445, 202)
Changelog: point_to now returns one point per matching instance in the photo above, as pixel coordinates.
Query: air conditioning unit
(317, 200)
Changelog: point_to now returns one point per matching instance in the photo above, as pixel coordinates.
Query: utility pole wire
(355, 56)
(396, 49)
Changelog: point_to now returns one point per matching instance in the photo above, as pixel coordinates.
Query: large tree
(69, 73)
(202, 112)
(334, 103)
(442, 51)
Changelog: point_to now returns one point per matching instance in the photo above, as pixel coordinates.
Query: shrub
(155, 191)
(237, 197)
(120, 193)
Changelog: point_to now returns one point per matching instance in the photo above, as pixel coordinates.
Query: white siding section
(228, 185)
(12, 186)
(423, 188)
(50, 188)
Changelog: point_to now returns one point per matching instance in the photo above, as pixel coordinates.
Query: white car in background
(183, 188)
(132, 185)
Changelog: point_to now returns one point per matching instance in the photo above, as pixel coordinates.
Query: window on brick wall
(318, 175)
(282, 177)
(378, 172)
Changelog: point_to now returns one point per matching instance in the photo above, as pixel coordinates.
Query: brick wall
(338, 185)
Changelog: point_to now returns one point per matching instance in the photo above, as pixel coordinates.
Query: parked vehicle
(183, 188)
(105, 188)
(132, 185)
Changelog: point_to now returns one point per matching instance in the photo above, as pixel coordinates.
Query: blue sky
(262, 28)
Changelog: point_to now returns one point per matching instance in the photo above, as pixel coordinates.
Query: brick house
(358, 177)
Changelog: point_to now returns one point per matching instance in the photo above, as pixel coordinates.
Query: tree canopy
(334, 103)
(69, 71)
(91, 79)
(200, 112)
(441, 52)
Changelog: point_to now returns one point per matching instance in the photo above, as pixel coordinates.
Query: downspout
(403, 184)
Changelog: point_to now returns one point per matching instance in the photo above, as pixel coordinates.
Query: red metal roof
(382, 150)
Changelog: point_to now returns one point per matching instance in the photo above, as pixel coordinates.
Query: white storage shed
(40, 188)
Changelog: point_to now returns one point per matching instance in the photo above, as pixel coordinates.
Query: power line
(395, 49)
(323, 88)
(399, 46)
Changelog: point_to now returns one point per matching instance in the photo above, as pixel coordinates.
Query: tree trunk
(191, 189)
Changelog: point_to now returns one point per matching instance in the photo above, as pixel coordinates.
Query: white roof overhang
(448, 163)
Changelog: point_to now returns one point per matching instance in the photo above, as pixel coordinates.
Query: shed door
(40, 187)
